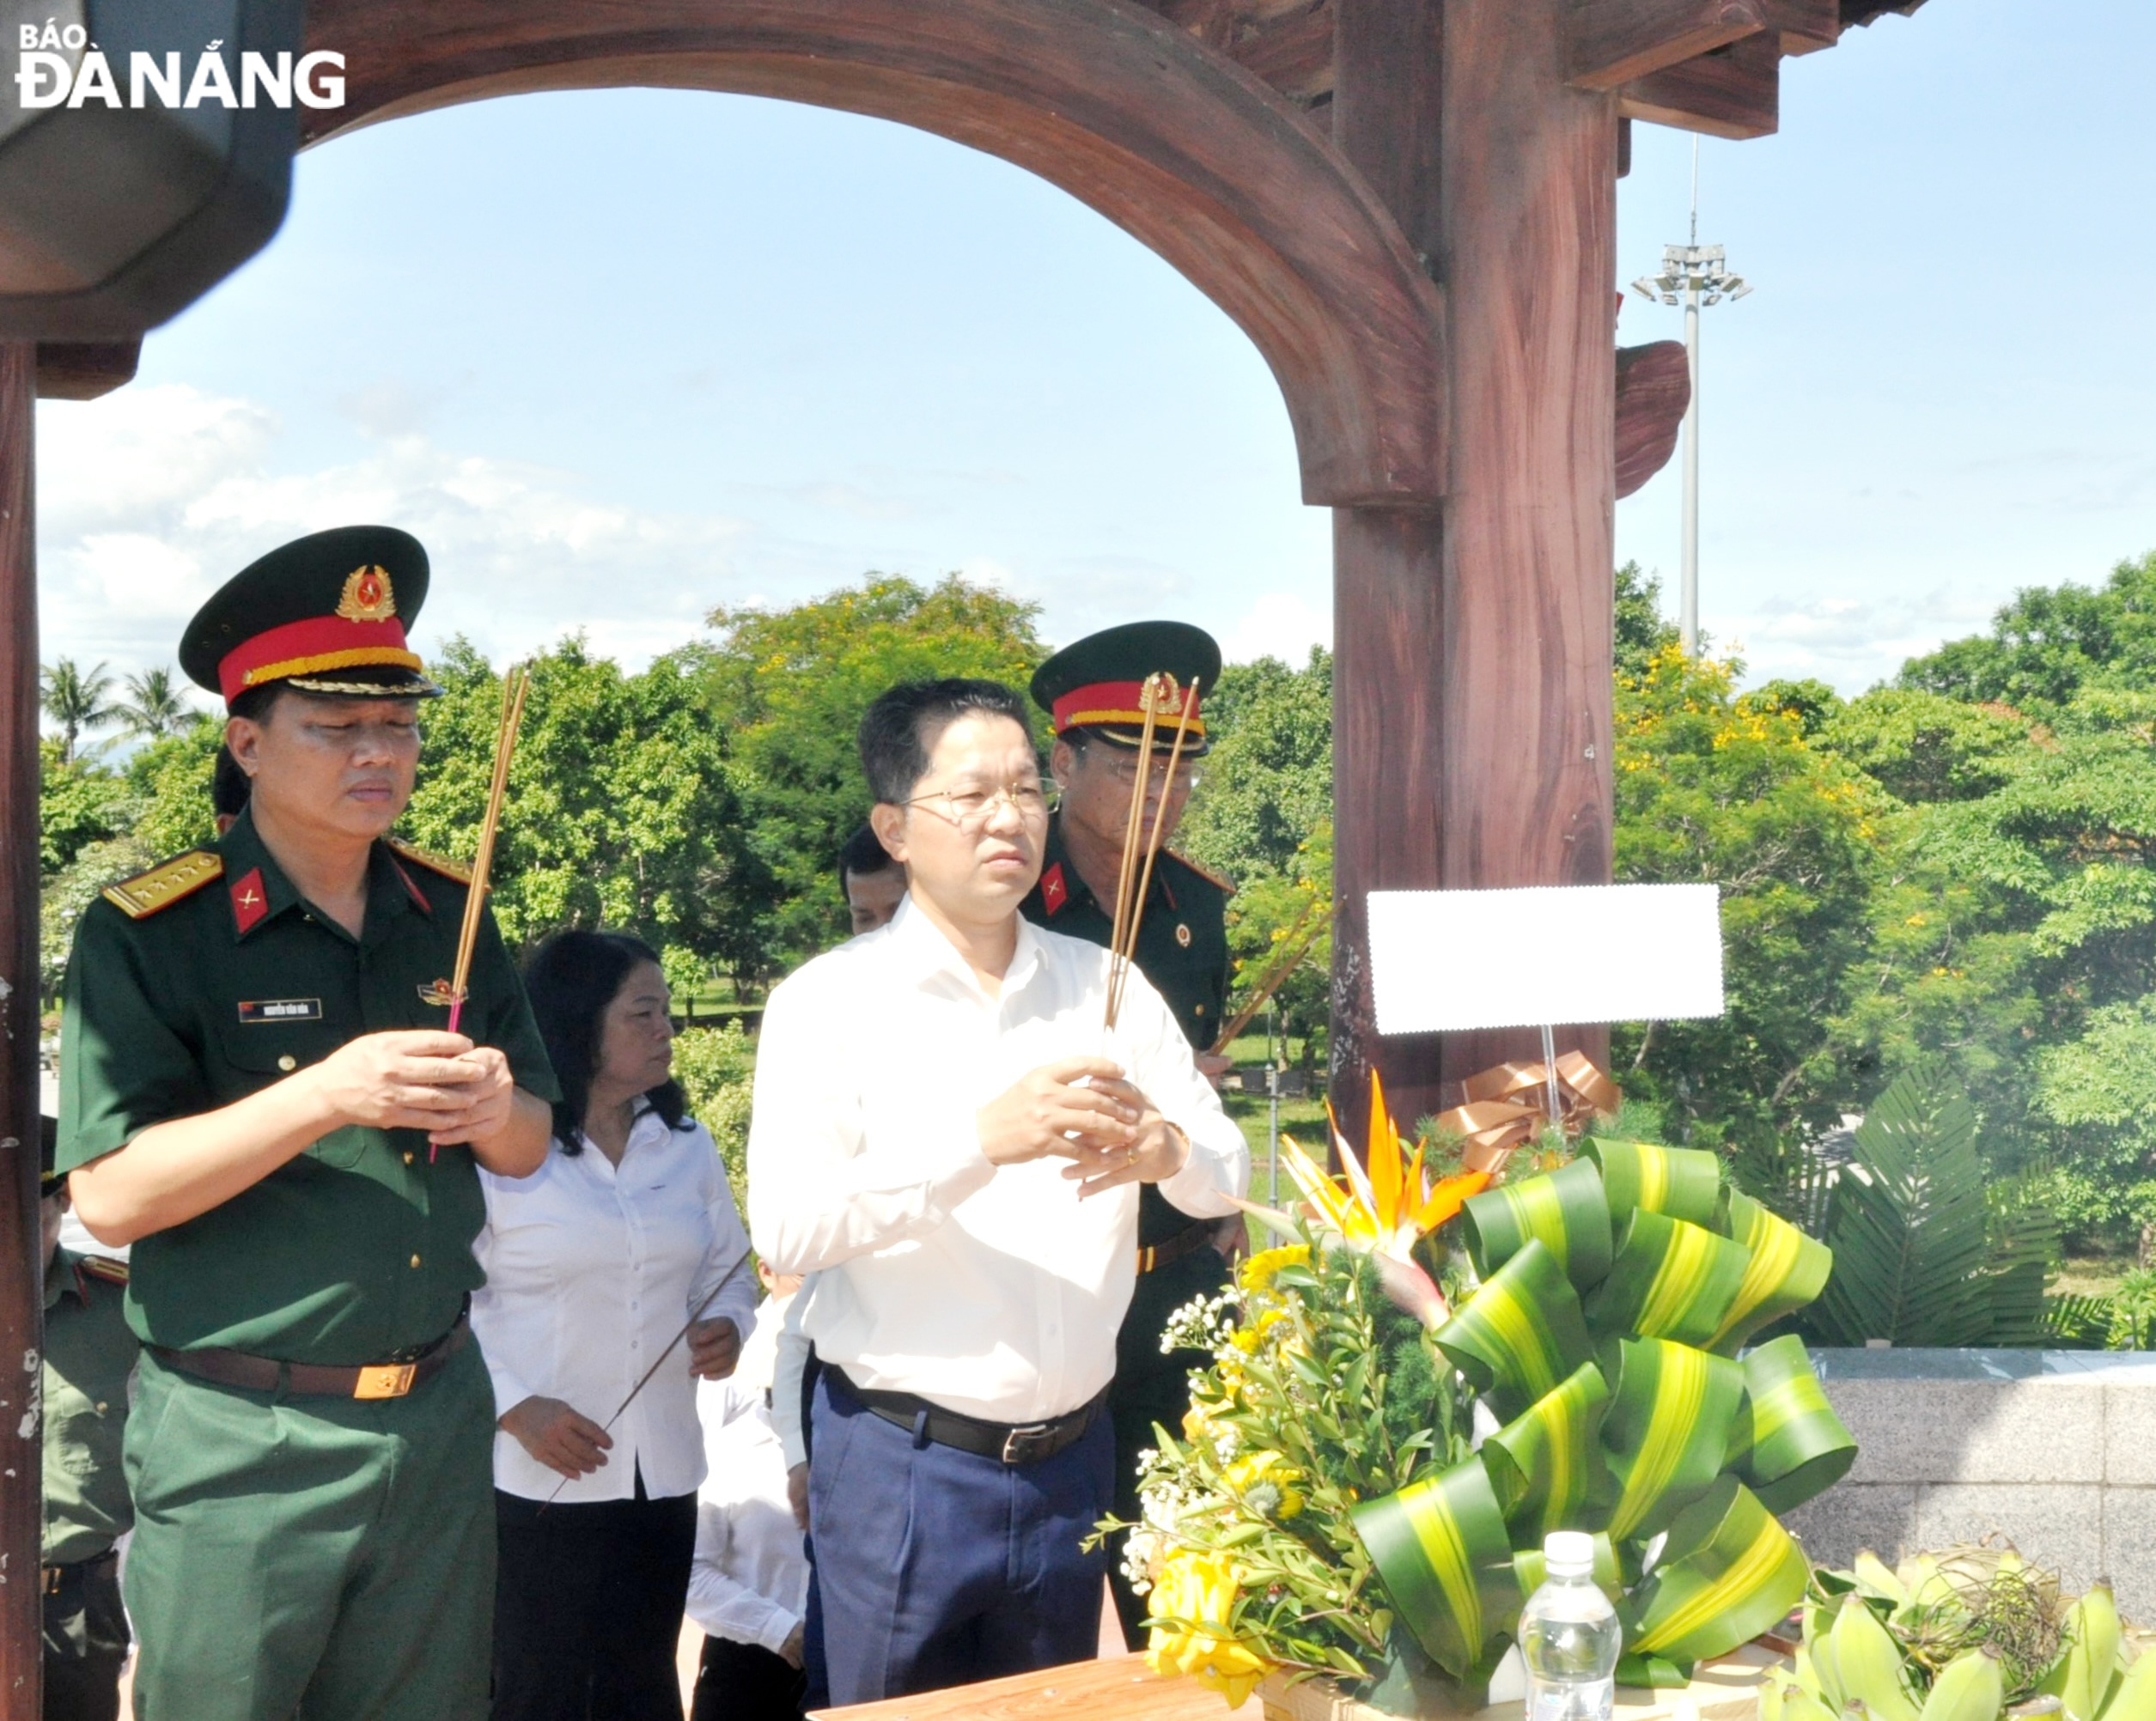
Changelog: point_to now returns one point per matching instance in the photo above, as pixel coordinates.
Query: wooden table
(1121, 1689)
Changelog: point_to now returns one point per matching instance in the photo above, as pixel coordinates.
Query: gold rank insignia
(367, 595)
(103, 1267)
(165, 884)
(434, 863)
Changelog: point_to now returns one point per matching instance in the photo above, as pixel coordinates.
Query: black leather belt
(314, 1380)
(1187, 1240)
(1021, 1444)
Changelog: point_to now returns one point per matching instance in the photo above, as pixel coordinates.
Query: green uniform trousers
(323, 1559)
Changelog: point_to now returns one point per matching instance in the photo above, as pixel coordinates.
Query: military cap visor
(1096, 683)
(324, 614)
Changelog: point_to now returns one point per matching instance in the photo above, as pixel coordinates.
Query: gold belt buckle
(384, 1380)
(1145, 1259)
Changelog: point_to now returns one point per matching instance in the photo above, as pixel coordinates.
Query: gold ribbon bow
(1508, 1104)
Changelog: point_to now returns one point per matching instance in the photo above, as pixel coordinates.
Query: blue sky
(623, 356)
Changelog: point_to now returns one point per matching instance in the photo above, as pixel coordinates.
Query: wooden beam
(1654, 388)
(82, 370)
(21, 1261)
(1610, 42)
(1803, 27)
(1734, 92)
(1292, 52)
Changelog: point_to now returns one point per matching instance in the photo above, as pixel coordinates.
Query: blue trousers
(935, 1567)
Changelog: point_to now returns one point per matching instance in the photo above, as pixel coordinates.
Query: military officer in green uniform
(259, 1092)
(1091, 692)
(90, 1352)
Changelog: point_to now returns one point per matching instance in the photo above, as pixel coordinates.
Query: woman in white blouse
(593, 1264)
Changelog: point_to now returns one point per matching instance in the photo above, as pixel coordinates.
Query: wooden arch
(1183, 149)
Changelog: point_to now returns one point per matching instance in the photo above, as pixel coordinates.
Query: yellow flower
(1198, 1590)
(1258, 1272)
(1269, 1470)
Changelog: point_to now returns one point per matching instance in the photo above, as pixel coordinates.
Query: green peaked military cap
(1094, 683)
(326, 613)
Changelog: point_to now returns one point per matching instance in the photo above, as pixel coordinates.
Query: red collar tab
(314, 647)
(1116, 702)
(1054, 893)
(250, 902)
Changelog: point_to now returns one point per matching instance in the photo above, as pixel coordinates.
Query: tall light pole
(1692, 274)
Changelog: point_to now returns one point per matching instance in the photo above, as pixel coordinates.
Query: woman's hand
(714, 1347)
(568, 1445)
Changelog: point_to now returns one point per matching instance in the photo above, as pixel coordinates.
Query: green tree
(1267, 783)
(155, 706)
(622, 812)
(2052, 641)
(79, 803)
(74, 698)
(1642, 632)
(787, 688)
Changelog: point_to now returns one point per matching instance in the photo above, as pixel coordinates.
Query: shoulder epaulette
(1205, 873)
(165, 884)
(103, 1267)
(432, 863)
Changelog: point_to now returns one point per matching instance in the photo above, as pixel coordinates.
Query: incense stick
(515, 686)
(1187, 699)
(1126, 874)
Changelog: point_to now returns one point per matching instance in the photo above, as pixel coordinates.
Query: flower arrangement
(1391, 1423)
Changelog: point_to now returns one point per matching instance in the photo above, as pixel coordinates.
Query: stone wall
(2054, 1449)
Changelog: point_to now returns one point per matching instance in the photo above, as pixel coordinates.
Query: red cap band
(1117, 702)
(314, 647)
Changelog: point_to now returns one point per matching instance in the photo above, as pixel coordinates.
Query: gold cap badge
(366, 596)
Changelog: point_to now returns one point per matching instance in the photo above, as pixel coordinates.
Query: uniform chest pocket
(257, 1053)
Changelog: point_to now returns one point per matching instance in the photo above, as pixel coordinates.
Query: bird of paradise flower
(1384, 1204)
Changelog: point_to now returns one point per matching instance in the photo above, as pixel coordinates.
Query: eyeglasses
(971, 809)
(1125, 770)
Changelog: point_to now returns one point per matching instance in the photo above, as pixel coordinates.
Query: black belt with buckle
(1025, 1442)
(1187, 1240)
(58, 1578)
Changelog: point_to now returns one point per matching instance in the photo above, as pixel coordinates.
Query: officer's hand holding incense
(1154, 1151)
(554, 1433)
(1045, 1112)
(715, 1346)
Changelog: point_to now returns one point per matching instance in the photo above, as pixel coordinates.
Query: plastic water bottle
(1569, 1636)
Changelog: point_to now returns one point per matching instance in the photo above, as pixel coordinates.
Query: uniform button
(415, 1261)
(407, 1158)
(288, 1063)
(100, 1407)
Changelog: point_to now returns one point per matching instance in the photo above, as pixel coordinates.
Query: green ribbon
(1786, 1269)
(1728, 1572)
(1672, 1415)
(1671, 1279)
(1546, 1464)
(1565, 1210)
(1796, 1446)
(1441, 1546)
(1683, 1182)
(1522, 1334)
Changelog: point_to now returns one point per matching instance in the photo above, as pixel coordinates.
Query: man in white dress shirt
(947, 1136)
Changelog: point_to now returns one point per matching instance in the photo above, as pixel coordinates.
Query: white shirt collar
(927, 952)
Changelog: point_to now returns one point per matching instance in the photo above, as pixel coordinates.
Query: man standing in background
(1090, 691)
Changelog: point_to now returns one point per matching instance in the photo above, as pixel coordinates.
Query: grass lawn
(2091, 1275)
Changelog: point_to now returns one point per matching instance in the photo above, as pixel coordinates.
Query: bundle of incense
(1160, 693)
(1292, 948)
(515, 685)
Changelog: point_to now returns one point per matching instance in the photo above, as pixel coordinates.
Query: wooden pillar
(21, 1268)
(1471, 685)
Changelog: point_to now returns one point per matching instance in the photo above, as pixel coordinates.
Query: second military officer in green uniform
(258, 1090)
(90, 1352)
(1091, 690)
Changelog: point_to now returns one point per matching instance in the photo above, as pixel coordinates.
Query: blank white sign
(1443, 961)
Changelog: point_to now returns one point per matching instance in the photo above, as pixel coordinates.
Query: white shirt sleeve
(1166, 1074)
(789, 1365)
(509, 1391)
(722, 1604)
(726, 1270)
(818, 1193)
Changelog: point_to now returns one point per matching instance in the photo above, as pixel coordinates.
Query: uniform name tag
(280, 1010)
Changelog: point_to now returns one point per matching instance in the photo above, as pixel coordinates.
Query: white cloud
(150, 498)
(1281, 624)
(1847, 640)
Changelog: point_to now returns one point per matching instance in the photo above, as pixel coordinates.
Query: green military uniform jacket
(210, 979)
(90, 1352)
(1182, 950)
